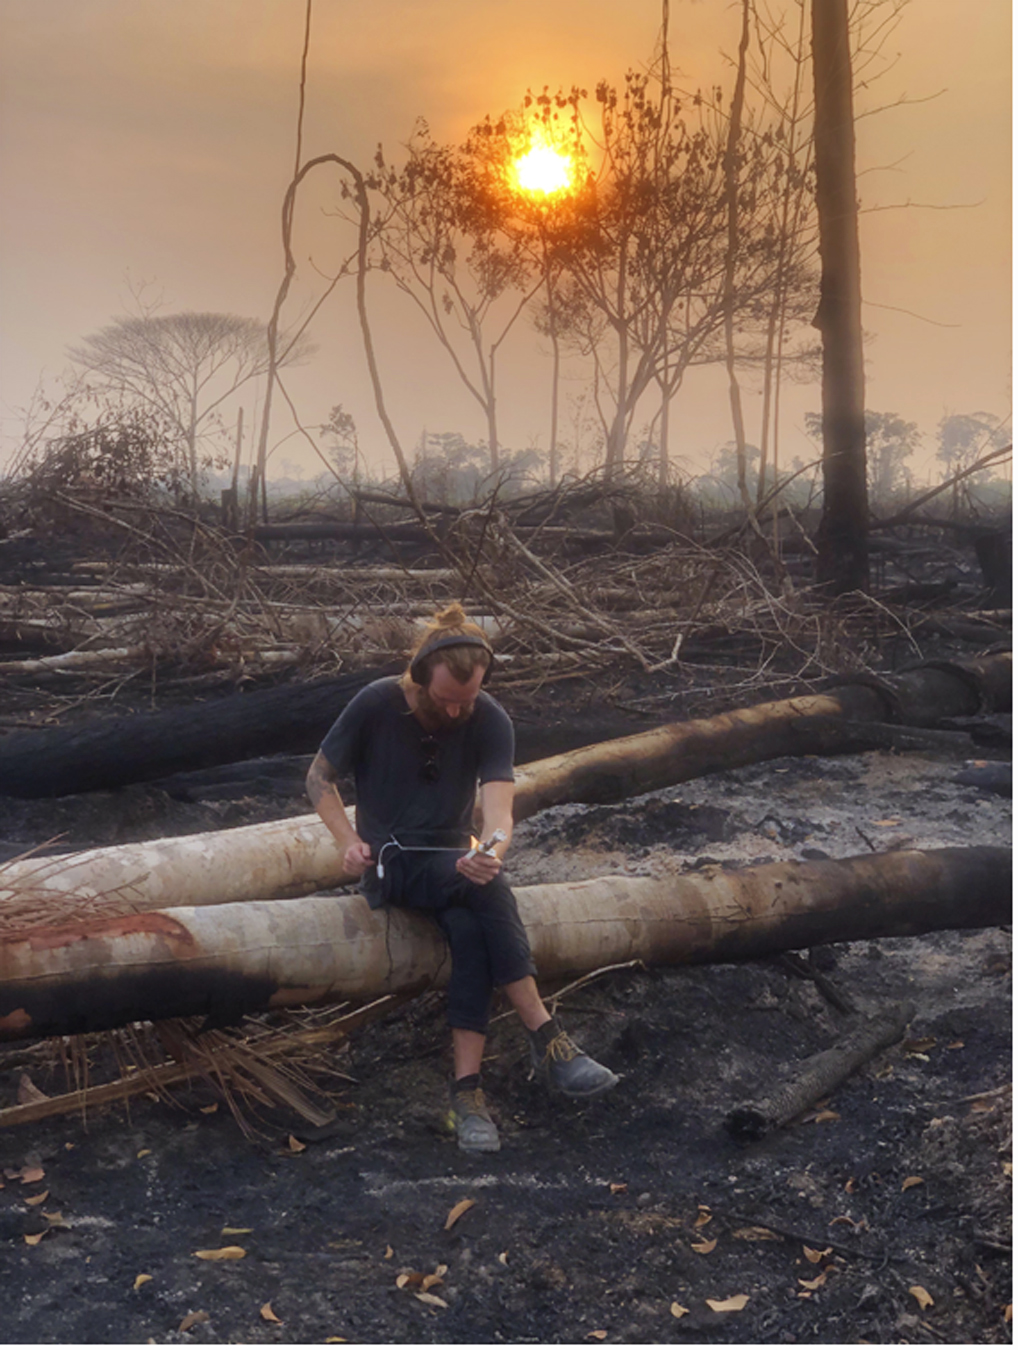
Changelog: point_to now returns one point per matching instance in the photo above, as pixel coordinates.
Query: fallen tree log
(74, 661)
(820, 1074)
(225, 961)
(797, 726)
(297, 856)
(147, 747)
(56, 762)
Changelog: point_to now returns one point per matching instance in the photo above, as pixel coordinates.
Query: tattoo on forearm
(320, 779)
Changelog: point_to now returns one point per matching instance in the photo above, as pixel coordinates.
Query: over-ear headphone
(417, 671)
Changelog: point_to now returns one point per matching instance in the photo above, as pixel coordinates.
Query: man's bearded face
(445, 702)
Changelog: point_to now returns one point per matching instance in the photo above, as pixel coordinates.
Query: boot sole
(480, 1148)
(584, 1096)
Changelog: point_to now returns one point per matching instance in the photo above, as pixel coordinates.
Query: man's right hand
(357, 858)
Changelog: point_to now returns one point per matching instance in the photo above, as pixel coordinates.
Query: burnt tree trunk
(842, 561)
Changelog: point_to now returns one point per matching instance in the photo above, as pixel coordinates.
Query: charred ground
(589, 1219)
(883, 1216)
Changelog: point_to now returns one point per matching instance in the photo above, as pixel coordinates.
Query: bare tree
(440, 239)
(183, 366)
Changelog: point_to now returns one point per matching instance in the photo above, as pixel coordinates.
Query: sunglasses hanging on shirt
(430, 769)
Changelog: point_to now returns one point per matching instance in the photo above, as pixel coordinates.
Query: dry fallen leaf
(294, 1145)
(818, 1283)
(36, 1199)
(33, 1239)
(29, 1175)
(804, 1293)
(980, 1106)
(891, 820)
(389, 1254)
(956, 1045)
(267, 1315)
(909, 1182)
(221, 1254)
(755, 1234)
(677, 1310)
(144, 1152)
(412, 1277)
(139, 1280)
(850, 1186)
(920, 1295)
(618, 1187)
(54, 1217)
(432, 1300)
(597, 1335)
(822, 1116)
(734, 1304)
(210, 1110)
(430, 1281)
(1007, 1168)
(503, 1258)
(1007, 1311)
(235, 1232)
(335, 1340)
(457, 1211)
(859, 1226)
(814, 1257)
(193, 1320)
(919, 1045)
(704, 1247)
(703, 1216)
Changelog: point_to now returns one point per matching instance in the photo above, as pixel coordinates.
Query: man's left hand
(480, 869)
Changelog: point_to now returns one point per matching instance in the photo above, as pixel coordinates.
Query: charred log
(684, 750)
(233, 959)
(294, 857)
(820, 1074)
(149, 746)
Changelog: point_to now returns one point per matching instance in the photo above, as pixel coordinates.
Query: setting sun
(543, 169)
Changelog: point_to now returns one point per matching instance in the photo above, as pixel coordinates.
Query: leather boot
(563, 1067)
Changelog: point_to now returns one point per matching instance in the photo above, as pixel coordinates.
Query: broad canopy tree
(182, 366)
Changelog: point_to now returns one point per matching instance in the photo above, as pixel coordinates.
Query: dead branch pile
(172, 599)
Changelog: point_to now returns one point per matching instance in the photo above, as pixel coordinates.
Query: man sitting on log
(418, 746)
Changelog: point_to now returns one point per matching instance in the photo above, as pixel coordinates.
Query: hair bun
(453, 616)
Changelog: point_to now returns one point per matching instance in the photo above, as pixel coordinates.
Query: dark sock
(471, 1082)
(545, 1033)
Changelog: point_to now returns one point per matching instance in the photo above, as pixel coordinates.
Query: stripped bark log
(225, 961)
(297, 856)
(66, 661)
(820, 1074)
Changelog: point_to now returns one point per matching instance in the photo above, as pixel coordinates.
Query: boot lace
(561, 1049)
(471, 1102)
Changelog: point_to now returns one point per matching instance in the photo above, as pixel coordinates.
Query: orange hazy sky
(155, 139)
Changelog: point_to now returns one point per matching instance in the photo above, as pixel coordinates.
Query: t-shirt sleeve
(342, 741)
(497, 746)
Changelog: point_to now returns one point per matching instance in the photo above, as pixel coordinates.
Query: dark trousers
(488, 944)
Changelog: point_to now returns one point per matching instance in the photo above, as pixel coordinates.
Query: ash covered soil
(883, 1216)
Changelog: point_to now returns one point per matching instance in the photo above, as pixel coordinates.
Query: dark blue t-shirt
(411, 784)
